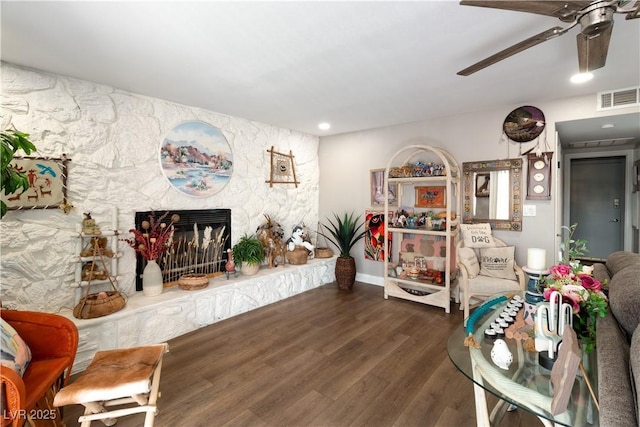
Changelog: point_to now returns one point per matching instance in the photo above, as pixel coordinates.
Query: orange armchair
(53, 340)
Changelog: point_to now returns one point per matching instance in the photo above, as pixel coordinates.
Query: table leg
(482, 413)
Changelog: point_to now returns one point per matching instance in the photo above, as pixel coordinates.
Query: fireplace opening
(199, 245)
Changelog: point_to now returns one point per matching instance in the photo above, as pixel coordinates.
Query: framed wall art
(539, 176)
(431, 197)
(377, 189)
(196, 159)
(47, 178)
(524, 124)
(283, 169)
(375, 228)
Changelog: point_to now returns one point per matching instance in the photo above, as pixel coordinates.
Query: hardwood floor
(322, 358)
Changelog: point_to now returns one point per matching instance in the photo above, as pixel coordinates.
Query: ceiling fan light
(581, 78)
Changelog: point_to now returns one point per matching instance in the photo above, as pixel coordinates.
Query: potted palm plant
(12, 179)
(344, 233)
(249, 253)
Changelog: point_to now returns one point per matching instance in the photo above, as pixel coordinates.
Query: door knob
(615, 220)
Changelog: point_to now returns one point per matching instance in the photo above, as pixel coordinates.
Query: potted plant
(249, 253)
(344, 233)
(13, 180)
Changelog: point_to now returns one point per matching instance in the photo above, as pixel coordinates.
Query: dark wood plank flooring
(322, 358)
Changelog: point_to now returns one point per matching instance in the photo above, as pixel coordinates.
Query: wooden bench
(116, 378)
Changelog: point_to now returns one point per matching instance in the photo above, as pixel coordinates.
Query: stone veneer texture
(113, 138)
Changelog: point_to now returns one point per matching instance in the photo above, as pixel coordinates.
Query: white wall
(113, 138)
(345, 162)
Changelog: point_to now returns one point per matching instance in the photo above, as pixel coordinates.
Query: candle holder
(533, 296)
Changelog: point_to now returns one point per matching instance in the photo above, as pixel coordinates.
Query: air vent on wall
(619, 98)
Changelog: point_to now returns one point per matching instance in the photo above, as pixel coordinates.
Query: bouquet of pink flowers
(154, 238)
(578, 288)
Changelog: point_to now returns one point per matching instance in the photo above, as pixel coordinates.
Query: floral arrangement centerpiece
(577, 287)
(154, 238)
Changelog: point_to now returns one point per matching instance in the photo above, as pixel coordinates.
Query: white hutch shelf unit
(423, 288)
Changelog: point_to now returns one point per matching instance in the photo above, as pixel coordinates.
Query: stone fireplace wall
(113, 138)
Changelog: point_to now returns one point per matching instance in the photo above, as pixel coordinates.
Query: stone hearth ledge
(152, 320)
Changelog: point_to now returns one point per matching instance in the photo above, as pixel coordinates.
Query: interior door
(597, 203)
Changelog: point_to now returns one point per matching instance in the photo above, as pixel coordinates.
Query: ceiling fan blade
(512, 50)
(564, 10)
(592, 50)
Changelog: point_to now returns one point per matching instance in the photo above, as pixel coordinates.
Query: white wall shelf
(84, 240)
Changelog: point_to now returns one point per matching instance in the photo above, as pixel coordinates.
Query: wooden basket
(298, 256)
(98, 305)
(193, 282)
(324, 253)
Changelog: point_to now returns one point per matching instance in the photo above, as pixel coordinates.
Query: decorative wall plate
(196, 159)
(524, 124)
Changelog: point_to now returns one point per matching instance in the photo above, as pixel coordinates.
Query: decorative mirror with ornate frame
(492, 192)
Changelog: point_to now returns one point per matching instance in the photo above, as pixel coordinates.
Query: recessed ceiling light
(324, 126)
(608, 126)
(581, 78)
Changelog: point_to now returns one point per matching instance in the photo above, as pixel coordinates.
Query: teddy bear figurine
(89, 225)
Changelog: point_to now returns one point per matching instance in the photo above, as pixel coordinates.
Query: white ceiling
(357, 65)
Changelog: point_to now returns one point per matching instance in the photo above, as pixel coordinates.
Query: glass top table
(526, 383)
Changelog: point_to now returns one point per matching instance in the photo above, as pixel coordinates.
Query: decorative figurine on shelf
(97, 245)
(91, 271)
(89, 225)
(230, 266)
(297, 239)
(271, 235)
(401, 221)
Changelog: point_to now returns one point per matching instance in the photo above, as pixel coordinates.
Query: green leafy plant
(12, 179)
(249, 250)
(571, 248)
(344, 232)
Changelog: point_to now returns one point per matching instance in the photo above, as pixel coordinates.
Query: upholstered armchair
(53, 341)
(486, 271)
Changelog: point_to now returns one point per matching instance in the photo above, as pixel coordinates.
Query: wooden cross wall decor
(283, 170)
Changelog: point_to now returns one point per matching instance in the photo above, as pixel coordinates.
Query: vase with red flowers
(154, 238)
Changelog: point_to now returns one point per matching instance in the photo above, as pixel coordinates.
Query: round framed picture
(524, 124)
(196, 159)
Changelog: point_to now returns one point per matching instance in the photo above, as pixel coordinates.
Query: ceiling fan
(595, 19)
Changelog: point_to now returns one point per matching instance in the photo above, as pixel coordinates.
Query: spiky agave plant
(344, 232)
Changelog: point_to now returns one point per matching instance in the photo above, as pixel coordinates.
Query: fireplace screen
(199, 245)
